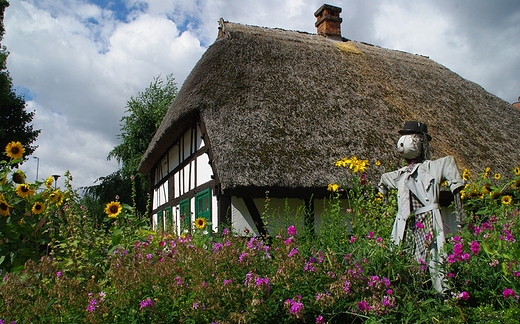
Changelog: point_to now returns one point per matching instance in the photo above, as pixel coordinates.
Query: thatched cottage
(267, 109)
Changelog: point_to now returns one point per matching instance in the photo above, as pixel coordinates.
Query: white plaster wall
(200, 141)
(240, 218)
(204, 171)
(173, 157)
(214, 212)
(186, 138)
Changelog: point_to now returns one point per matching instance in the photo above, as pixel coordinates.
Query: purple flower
(225, 231)
(363, 306)
(91, 305)
(291, 231)
(58, 274)
(241, 257)
(465, 256)
(217, 246)
(353, 239)
(295, 306)
(320, 320)
(288, 241)
(309, 267)
(147, 302)
(370, 235)
(227, 281)
(293, 252)
(419, 225)
(508, 292)
(346, 286)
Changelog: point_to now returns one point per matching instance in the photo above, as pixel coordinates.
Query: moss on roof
(281, 106)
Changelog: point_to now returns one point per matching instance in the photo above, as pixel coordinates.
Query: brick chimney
(328, 21)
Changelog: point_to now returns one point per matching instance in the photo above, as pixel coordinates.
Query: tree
(14, 119)
(144, 113)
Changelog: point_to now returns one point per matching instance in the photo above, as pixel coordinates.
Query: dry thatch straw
(279, 107)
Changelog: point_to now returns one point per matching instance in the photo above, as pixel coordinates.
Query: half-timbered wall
(182, 181)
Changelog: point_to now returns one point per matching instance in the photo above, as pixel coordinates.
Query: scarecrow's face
(409, 146)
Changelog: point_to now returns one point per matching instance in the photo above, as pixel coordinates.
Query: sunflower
(38, 208)
(54, 196)
(516, 170)
(14, 150)
(48, 182)
(506, 200)
(200, 223)
(18, 176)
(497, 176)
(23, 190)
(113, 209)
(333, 187)
(5, 209)
(466, 175)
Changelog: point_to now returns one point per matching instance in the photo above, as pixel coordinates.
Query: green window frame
(160, 220)
(168, 218)
(185, 215)
(203, 205)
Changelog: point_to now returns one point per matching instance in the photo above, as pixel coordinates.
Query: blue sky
(77, 62)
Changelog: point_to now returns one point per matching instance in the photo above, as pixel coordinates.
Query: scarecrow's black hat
(415, 127)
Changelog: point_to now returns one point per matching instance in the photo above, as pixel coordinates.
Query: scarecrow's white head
(410, 146)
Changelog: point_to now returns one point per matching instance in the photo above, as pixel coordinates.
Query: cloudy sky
(77, 62)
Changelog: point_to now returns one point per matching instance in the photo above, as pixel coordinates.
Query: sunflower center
(113, 209)
(24, 189)
(38, 207)
(3, 206)
(15, 150)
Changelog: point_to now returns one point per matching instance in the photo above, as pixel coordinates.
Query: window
(185, 216)
(160, 221)
(203, 205)
(168, 219)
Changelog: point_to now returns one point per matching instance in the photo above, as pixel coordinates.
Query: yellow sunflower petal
(14, 150)
(113, 208)
(200, 223)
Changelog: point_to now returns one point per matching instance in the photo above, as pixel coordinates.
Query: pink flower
(419, 225)
(457, 249)
(320, 320)
(465, 256)
(363, 306)
(475, 247)
(508, 292)
(462, 295)
(58, 274)
(291, 231)
(370, 235)
(353, 239)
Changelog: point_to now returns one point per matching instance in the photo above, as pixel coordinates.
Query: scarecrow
(418, 224)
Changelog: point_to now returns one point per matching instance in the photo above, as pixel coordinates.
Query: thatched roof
(281, 106)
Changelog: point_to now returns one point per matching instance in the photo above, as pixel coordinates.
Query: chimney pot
(328, 21)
